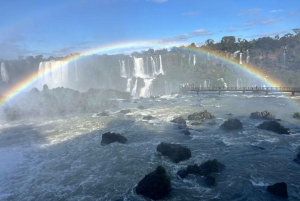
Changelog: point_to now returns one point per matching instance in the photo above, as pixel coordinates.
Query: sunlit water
(62, 159)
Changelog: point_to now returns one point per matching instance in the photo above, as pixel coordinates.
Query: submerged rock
(175, 152)
(232, 124)
(210, 181)
(205, 169)
(262, 115)
(179, 120)
(155, 185)
(297, 160)
(148, 117)
(140, 107)
(297, 115)
(274, 127)
(278, 189)
(126, 111)
(196, 123)
(103, 114)
(185, 132)
(109, 137)
(201, 115)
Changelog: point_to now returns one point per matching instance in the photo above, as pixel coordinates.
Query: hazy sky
(61, 27)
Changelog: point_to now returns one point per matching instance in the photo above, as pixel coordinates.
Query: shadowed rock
(155, 185)
(297, 115)
(262, 115)
(103, 114)
(297, 160)
(140, 107)
(179, 120)
(274, 127)
(109, 137)
(175, 152)
(201, 115)
(195, 123)
(148, 117)
(125, 111)
(278, 189)
(185, 132)
(232, 124)
(210, 181)
(205, 169)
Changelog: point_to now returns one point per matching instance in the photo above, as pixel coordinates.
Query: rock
(155, 185)
(179, 120)
(185, 132)
(148, 117)
(125, 111)
(200, 116)
(262, 115)
(109, 137)
(297, 115)
(278, 189)
(205, 169)
(140, 107)
(232, 124)
(103, 114)
(196, 123)
(210, 181)
(297, 160)
(175, 152)
(274, 127)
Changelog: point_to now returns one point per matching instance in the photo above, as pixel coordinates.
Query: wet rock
(140, 107)
(103, 114)
(278, 189)
(179, 120)
(185, 132)
(148, 117)
(201, 116)
(205, 169)
(109, 137)
(175, 152)
(262, 115)
(297, 160)
(195, 123)
(210, 181)
(274, 127)
(232, 124)
(297, 115)
(155, 185)
(126, 111)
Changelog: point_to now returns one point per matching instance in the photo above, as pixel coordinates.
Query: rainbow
(27, 82)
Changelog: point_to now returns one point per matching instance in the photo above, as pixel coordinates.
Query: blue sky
(59, 28)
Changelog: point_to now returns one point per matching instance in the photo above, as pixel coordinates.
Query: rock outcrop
(155, 185)
(278, 189)
(201, 116)
(148, 117)
(109, 137)
(262, 115)
(175, 152)
(126, 111)
(103, 114)
(274, 127)
(297, 115)
(232, 124)
(179, 120)
(297, 159)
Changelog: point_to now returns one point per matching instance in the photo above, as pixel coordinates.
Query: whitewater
(61, 158)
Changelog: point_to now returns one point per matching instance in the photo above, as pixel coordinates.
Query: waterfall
(160, 66)
(206, 83)
(208, 56)
(129, 84)
(139, 70)
(146, 90)
(239, 83)
(134, 90)
(248, 57)
(123, 69)
(241, 58)
(194, 60)
(189, 59)
(4, 74)
(153, 65)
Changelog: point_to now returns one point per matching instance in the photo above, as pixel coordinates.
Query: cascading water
(248, 57)
(139, 70)
(146, 90)
(134, 90)
(239, 83)
(241, 58)
(4, 74)
(123, 69)
(161, 71)
(189, 59)
(194, 60)
(129, 84)
(208, 56)
(206, 83)
(153, 66)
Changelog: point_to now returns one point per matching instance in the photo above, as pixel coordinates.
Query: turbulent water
(62, 159)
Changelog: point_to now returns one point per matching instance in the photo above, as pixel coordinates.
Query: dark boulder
(201, 115)
(179, 120)
(148, 117)
(278, 189)
(196, 123)
(297, 160)
(210, 181)
(109, 137)
(205, 169)
(175, 152)
(125, 111)
(274, 127)
(185, 132)
(155, 185)
(103, 114)
(297, 115)
(232, 124)
(262, 115)
(140, 107)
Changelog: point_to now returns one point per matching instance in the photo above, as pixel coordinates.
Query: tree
(228, 43)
